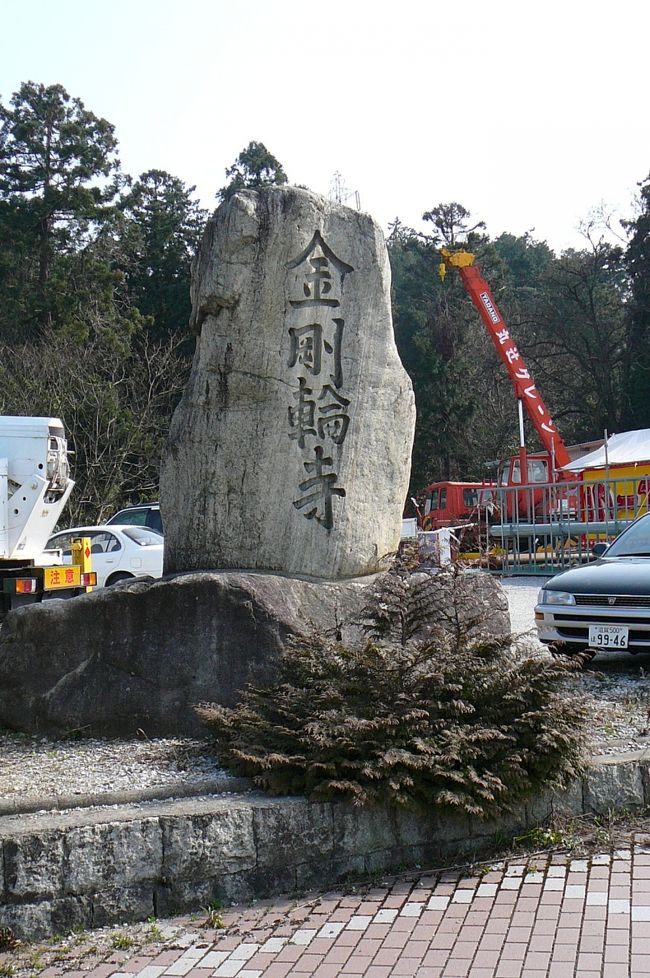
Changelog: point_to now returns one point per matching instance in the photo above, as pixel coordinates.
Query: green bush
(419, 715)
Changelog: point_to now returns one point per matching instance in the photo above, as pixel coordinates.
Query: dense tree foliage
(637, 349)
(581, 320)
(94, 293)
(255, 167)
(163, 231)
(115, 402)
(94, 305)
(57, 161)
(436, 335)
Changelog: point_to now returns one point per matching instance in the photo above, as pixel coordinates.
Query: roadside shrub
(423, 712)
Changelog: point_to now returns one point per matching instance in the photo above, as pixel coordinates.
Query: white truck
(35, 485)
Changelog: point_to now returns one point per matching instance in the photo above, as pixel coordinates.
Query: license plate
(57, 577)
(608, 636)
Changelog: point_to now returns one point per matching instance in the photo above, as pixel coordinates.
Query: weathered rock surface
(139, 656)
(290, 449)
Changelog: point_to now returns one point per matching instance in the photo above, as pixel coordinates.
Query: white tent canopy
(624, 449)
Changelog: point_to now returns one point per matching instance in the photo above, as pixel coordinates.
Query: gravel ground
(617, 688)
(522, 597)
(37, 766)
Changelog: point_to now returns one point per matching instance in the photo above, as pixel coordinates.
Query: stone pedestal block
(139, 656)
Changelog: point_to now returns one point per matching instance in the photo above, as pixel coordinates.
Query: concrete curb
(623, 758)
(89, 867)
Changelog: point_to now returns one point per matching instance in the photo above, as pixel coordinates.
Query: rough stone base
(139, 656)
(92, 868)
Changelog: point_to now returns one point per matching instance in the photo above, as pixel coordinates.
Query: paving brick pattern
(548, 916)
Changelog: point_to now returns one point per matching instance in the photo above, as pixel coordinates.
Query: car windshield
(633, 542)
(144, 537)
(62, 541)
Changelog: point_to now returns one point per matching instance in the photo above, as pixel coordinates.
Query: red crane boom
(525, 390)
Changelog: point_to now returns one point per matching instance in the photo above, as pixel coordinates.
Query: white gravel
(34, 767)
(37, 767)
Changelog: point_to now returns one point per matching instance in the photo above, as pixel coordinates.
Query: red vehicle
(455, 503)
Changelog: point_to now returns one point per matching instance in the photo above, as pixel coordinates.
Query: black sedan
(604, 605)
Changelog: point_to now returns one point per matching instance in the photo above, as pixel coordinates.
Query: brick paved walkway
(547, 916)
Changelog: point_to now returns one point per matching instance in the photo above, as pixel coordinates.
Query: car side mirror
(599, 549)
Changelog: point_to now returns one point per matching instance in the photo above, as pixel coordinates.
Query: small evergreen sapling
(426, 711)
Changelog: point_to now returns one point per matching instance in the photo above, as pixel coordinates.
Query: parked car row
(130, 544)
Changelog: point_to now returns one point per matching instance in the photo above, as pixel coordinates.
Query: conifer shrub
(425, 711)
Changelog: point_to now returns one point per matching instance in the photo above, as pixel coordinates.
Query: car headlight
(555, 597)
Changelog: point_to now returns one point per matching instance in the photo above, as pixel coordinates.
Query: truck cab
(538, 470)
(35, 485)
(454, 503)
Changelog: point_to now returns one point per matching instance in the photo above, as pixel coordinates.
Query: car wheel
(116, 578)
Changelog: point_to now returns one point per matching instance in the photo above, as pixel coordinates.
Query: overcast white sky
(530, 115)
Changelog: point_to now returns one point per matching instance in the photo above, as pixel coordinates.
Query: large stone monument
(290, 449)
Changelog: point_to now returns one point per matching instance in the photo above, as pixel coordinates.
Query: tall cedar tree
(254, 167)
(637, 258)
(164, 227)
(57, 168)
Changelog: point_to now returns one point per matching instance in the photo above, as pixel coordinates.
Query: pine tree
(58, 168)
(255, 167)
